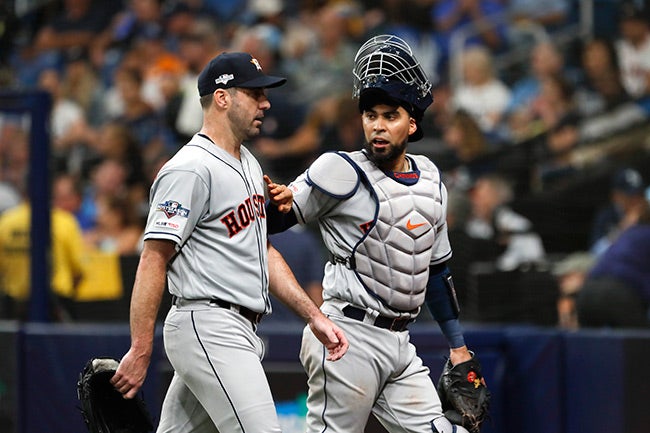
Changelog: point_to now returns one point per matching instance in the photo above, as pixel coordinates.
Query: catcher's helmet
(386, 68)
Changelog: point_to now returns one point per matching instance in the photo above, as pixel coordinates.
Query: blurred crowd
(122, 79)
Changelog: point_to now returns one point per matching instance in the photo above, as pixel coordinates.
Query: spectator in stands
(14, 153)
(616, 292)
(501, 234)
(81, 85)
(552, 106)
(485, 19)
(171, 94)
(626, 202)
(179, 19)
(74, 27)
(137, 19)
(470, 149)
(70, 131)
(633, 49)
(115, 141)
(555, 165)
(66, 260)
(67, 194)
(554, 117)
(546, 60)
(601, 88)
(322, 70)
(68, 118)
(138, 115)
(118, 228)
(482, 94)
(156, 63)
(570, 274)
(108, 179)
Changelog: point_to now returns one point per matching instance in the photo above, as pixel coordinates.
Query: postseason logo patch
(173, 208)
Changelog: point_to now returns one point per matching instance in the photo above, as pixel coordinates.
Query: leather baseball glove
(103, 408)
(464, 395)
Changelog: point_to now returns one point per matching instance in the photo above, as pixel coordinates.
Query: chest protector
(392, 258)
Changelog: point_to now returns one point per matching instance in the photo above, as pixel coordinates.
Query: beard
(386, 156)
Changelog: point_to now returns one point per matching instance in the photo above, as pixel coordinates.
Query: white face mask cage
(388, 58)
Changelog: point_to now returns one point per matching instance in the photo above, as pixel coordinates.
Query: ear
(413, 126)
(221, 99)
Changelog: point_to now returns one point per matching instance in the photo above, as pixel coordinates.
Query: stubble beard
(246, 129)
(244, 126)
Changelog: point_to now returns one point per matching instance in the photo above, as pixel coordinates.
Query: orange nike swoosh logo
(413, 226)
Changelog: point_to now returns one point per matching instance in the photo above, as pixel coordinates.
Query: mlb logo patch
(172, 208)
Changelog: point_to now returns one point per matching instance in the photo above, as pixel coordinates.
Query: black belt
(390, 323)
(249, 314)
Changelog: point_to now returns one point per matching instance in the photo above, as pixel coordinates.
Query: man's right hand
(131, 372)
(332, 337)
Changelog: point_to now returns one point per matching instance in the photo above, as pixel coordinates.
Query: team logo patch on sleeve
(172, 208)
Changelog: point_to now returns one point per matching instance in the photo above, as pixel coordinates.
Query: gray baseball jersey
(383, 231)
(212, 206)
(345, 222)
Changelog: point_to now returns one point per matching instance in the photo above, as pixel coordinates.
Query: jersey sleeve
(178, 200)
(309, 201)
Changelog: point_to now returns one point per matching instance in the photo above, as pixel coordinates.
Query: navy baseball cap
(629, 181)
(235, 70)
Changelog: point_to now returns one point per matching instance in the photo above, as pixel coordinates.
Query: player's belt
(390, 323)
(249, 314)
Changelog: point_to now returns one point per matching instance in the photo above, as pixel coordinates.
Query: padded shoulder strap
(334, 174)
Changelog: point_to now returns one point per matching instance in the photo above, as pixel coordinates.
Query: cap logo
(256, 63)
(223, 79)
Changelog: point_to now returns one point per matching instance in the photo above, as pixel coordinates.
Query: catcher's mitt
(103, 408)
(464, 396)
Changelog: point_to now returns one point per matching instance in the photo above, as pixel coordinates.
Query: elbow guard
(441, 295)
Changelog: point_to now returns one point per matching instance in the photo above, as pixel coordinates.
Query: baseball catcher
(464, 395)
(382, 214)
(103, 408)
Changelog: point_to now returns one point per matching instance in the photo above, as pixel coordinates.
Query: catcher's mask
(386, 70)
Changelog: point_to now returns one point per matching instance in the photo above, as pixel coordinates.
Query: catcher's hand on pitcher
(280, 195)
